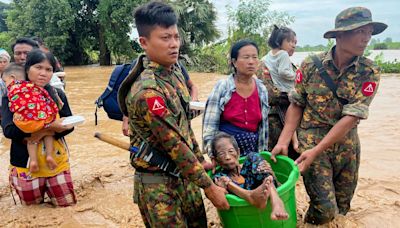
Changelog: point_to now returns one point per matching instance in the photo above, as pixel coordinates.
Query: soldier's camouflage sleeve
(365, 87)
(167, 135)
(196, 147)
(299, 95)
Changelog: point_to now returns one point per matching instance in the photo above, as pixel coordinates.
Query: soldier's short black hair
(25, 40)
(278, 35)
(153, 14)
(236, 48)
(218, 137)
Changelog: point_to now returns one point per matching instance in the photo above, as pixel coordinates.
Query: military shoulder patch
(156, 105)
(299, 76)
(368, 88)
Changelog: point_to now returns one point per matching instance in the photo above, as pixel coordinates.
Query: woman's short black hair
(278, 35)
(37, 56)
(218, 137)
(153, 14)
(236, 48)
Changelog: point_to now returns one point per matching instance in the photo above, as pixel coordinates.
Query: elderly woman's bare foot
(278, 210)
(259, 196)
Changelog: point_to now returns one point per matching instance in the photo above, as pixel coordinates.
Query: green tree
(3, 8)
(103, 26)
(254, 20)
(196, 23)
(115, 24)
(380, 46)
(43, 19)
(5, 41)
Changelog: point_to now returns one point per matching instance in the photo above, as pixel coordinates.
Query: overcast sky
(314, 17)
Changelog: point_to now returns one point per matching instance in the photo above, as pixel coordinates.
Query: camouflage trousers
(332, 178)
(275, 127)
(172, 202)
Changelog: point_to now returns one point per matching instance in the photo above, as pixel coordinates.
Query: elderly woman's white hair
(4, 54)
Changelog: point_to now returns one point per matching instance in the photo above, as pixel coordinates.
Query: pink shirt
(243, 112)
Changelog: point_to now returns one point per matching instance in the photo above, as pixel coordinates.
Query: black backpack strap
(328, 80)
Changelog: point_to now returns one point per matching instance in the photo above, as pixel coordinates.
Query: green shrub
(380, 46)
(212, 58)
(390, 67)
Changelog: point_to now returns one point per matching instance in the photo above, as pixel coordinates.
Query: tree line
(82, 32)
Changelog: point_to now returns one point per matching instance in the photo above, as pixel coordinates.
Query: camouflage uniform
(156, 104)
(332, 178)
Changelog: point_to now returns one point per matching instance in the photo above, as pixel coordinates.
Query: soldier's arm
(356, 109)
(366, 85)
(150, 105)
(196, 148)
(294, 114)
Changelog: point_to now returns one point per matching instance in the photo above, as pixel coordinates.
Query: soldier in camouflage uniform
(329, 144)
(155, 98)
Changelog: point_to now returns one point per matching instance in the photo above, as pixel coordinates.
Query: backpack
(108, 99)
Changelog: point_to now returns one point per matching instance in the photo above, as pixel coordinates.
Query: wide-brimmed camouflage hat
(352, 18)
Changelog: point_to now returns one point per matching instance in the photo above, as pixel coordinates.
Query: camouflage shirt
(357, 84)
(157, 105)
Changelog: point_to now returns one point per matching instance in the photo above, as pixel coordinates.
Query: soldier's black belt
(153, 178)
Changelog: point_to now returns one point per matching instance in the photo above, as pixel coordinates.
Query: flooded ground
(103, 177)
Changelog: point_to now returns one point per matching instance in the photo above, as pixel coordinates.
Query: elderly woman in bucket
(332, 94)
(254, 181)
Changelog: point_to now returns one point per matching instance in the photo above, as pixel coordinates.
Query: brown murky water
(103, 177)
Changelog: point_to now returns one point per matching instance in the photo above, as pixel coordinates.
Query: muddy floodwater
(103, 177)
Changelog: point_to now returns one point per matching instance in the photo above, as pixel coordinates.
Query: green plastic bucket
(242, 214)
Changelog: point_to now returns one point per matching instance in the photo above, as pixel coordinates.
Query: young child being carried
(282, 42)
(33, 110)
(254, 181)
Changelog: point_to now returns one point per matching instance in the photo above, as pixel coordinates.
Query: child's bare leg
(48, 142)
(278, 209)
(33, 161)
